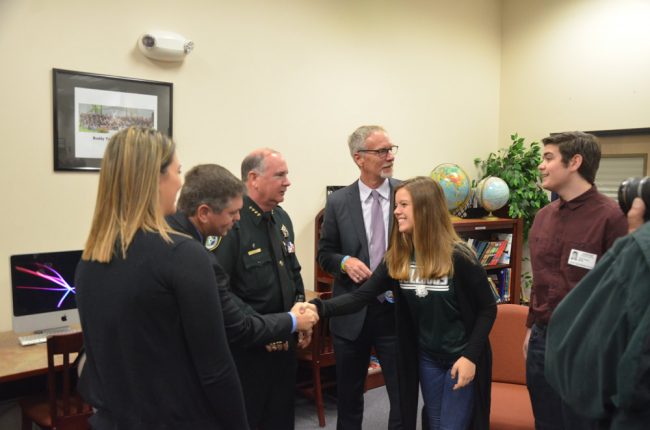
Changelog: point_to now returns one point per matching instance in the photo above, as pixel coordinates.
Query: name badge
(583, 259)
(254, 251)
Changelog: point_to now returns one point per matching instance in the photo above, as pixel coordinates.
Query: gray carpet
(375, 412)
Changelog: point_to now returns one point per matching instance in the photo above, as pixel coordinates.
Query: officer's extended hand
(304, 338)
(306, 315)
(356, 270)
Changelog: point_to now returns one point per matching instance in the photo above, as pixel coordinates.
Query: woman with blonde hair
(444, 311)
(157, 353)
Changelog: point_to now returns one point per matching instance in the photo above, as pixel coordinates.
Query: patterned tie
(377, 231)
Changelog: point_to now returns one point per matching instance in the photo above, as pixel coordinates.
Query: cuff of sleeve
(319, 305)
(294, 323)
(343, 263)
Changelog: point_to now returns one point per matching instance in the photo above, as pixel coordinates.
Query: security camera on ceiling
(164, 46)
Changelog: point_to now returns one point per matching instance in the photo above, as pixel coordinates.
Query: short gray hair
(255, 162)
(208, 184)
(357, 139)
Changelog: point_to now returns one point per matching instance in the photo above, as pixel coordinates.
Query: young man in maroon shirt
(568, 236)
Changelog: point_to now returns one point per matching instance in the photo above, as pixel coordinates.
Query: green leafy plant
(517, 166)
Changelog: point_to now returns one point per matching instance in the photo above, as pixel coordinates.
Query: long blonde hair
(433, 238)
(127, 196)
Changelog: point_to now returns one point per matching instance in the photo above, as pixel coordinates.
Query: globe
(492, 193)
(454, 182)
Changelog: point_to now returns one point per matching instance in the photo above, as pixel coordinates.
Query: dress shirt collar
(383, 190)
(576, 202)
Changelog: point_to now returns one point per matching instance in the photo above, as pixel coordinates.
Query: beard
(386, 173)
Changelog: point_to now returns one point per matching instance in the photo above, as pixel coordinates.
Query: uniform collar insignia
(255, 211)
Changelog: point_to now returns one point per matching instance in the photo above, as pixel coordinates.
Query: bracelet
(343, 263)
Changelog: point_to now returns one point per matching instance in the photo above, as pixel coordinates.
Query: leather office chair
(510, 406)
(63, 408)
(319, 354)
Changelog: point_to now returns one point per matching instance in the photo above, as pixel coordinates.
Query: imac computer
(43, 293)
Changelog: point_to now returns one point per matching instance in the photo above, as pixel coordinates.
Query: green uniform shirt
(246, 255)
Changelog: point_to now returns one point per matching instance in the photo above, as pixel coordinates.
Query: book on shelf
(505, 257)
(504, 277)
(480, 246)
(491, 252)
(488, 253)
(496, 259)
(500, 284)
(495, 289)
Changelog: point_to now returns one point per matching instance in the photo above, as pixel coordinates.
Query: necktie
(377, 231)
(377, 234)
(279, 251)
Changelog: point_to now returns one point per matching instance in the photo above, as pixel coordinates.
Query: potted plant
(517, 166)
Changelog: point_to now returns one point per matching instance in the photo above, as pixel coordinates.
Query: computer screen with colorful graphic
(42, 288)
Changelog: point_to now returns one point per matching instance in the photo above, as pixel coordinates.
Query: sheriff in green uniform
(259, 255)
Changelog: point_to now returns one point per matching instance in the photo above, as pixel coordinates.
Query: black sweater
(157, 352)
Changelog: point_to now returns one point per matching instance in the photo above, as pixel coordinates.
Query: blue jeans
(550, 412)
(446, 408)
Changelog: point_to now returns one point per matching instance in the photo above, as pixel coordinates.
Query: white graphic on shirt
(422, 287)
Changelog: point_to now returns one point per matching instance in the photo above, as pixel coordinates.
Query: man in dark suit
(350, 247)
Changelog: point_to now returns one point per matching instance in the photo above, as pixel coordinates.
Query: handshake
(306, 315)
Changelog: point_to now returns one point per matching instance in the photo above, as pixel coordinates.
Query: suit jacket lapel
(391, 218)
(358, 225)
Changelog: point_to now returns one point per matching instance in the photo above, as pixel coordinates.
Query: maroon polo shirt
(589, 223)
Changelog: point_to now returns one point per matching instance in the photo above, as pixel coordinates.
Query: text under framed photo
(89, 108)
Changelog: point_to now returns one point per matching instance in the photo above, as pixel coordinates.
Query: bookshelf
(487, 230)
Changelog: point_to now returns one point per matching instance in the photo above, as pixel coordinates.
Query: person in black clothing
(259, 255)
(157, 352)
(444, 311)
(208, 207)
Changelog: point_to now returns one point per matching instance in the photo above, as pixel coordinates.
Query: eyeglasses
(382, 153)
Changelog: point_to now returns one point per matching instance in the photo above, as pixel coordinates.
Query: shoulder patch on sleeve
(212, 242)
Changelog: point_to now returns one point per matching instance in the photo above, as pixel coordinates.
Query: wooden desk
(20, 362)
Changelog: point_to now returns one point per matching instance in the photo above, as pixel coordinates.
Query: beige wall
(574, 65)
(297, 76)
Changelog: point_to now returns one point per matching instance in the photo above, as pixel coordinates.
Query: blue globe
(454, 182)
(492, 193)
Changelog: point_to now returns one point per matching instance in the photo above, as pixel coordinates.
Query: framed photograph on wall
(90, 108)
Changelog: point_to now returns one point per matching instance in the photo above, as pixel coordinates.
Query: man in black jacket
(208, 207)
